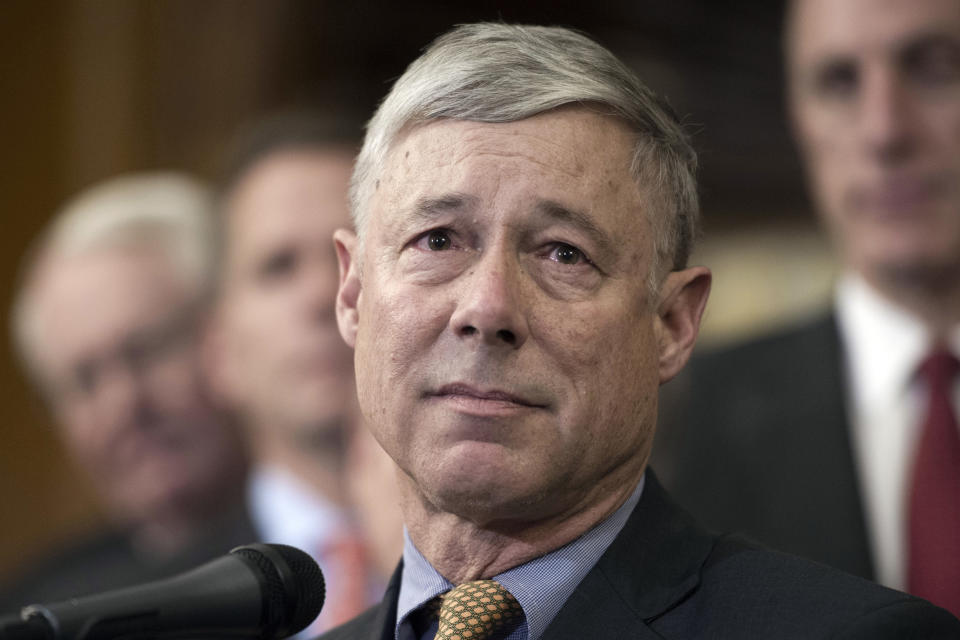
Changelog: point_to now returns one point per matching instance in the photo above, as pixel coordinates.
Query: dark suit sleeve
(910, 620)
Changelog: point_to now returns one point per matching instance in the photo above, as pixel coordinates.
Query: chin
(486, 498)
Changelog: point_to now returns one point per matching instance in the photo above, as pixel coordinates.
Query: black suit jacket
(665, 577)
(107, 560)
(755, 439)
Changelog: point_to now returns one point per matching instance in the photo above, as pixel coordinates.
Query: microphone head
(293, 586)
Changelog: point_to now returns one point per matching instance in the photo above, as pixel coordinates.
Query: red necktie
(934, 529)
(344, 562)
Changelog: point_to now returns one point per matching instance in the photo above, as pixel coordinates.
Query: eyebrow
(924, 41)
(558, 212)
(431, 208)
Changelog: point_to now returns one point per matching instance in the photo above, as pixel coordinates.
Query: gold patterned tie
(478, 610)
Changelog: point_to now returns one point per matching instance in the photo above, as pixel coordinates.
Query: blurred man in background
(107, 321)
(277, 357)
(838, 440)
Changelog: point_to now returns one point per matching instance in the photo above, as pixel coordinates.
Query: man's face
(117, 353)
(284, 364)
(875, 94)
(506, 348)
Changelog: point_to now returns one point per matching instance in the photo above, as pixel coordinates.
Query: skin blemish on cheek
(376, 186)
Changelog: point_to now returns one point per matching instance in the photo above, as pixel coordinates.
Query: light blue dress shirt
(541, 586)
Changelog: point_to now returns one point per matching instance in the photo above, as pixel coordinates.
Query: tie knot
(940, 366)
(478, 610)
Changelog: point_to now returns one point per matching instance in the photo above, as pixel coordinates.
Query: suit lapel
(652, 564)
(832, 483)
(378, 622)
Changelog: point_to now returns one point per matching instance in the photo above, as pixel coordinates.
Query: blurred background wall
(91, 88)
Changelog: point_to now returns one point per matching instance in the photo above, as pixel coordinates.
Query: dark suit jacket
(665, 577)
(755, 439)
(107, 560)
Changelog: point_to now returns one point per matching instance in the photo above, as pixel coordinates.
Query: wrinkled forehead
(518, 175)
(93, 300)
(818, 30)
(568, 151)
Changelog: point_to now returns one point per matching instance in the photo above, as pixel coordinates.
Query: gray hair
(165, 211)
(490, 72)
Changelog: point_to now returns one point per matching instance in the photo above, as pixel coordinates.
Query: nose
(490, 306)
(123, 396)
(886, 116)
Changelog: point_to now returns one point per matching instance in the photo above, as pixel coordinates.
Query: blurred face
(117, 354)
(284, 365)
(506, 349)
(875, 93)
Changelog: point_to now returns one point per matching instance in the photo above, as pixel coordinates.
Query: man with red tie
(838, 439)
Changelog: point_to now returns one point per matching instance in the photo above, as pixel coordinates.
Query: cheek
(176, 381)
(85, 442)
(605, 359)
(948, 135)
(824, 142)
(396, 332)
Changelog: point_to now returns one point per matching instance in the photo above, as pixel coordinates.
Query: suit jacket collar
(651, 566)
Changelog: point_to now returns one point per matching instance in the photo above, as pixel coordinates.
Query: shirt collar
(541, 586)
(883, 343)
(287, 511)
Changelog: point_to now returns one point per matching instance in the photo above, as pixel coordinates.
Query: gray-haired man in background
(107, 321)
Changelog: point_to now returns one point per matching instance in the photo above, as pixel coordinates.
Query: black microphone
(264, 591)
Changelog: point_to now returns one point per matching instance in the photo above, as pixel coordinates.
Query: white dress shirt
(883, 348)
(286, 511)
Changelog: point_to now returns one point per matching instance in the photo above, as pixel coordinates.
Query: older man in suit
(107, 319)
(838, 439)
(515, 292)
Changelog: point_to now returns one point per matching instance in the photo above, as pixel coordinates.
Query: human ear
(683, 296)
(348, 294)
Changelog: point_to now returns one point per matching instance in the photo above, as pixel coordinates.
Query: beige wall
(764, 276)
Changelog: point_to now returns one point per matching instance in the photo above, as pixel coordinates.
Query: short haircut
(167, 211)
(492, 72)
(296, 129)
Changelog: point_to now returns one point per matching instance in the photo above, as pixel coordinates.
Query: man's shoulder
(776, 350)
(749, 591)
(746, 389)
(90, 563)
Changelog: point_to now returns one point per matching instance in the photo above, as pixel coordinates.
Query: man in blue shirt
(516, 291)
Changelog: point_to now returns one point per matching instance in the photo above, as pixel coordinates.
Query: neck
(932, 296)
(319, 468)
(187, 517)
(461, 550)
